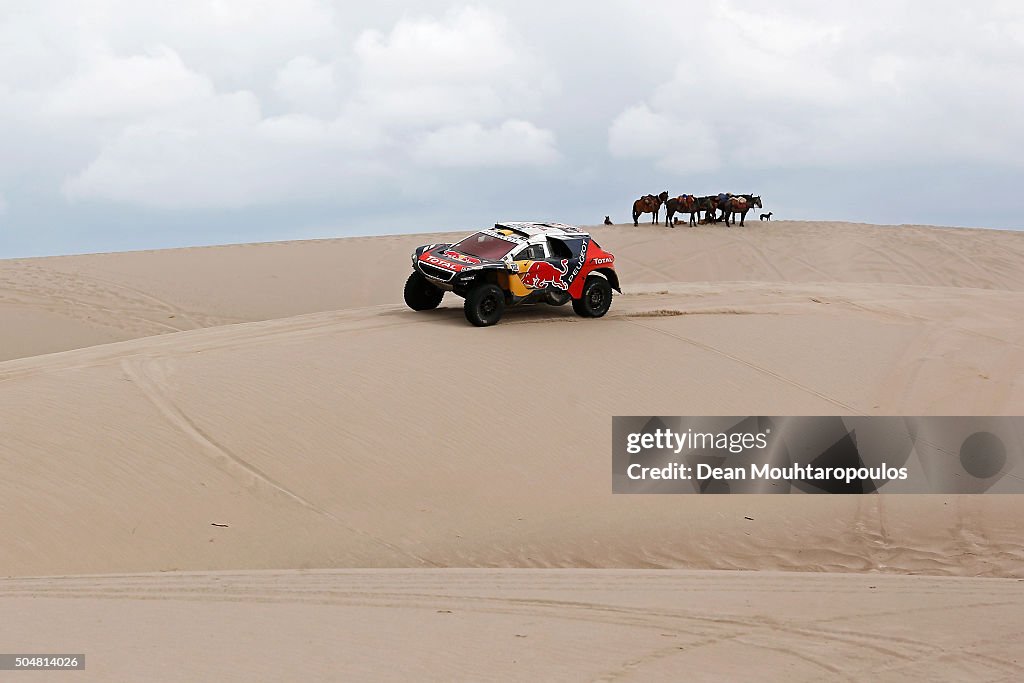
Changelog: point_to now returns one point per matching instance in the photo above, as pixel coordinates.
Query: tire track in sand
(113, 289)
(749, 364)
(154, 388)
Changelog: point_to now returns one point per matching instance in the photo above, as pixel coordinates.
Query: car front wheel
(420, 295)
(596, 299)
(484, 304)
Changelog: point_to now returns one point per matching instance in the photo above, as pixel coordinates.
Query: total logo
(599, 261)
(433, 260)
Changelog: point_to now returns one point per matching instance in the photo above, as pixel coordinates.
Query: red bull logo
(542, 274)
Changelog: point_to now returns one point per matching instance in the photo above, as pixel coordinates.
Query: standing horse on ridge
(684, 203)
(648, 204)
(739, 204)
(709, 205)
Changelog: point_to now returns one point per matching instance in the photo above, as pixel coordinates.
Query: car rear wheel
(484, 304)
(420, 295)
(596, 299)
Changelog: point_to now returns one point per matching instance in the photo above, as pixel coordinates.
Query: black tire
(484, 304)
(596, 299)
(557, 298)
(420, 295)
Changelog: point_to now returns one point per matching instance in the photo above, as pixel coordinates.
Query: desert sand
(525, 624)
(176, 421)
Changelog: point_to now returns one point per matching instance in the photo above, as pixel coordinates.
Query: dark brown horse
(709, 205)
(684, 203)
(648, 204)
(739, 204)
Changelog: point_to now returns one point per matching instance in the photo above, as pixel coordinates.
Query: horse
(738, 204)
(648, 204)
(608, 220)
(709, 205)
(684, 203)
(766, 216)
(722, 202)
(753, 202)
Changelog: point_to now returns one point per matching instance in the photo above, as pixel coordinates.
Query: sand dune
(374, 436)
(276, 407)
(59, 303)
(66, 302)
(337, 439)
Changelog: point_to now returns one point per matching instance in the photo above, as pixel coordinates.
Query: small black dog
(766, 216)
(607, 220)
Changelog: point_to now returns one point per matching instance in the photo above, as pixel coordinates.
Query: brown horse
(684, 203)
(739, 204)
(648, 204)
(709, 205)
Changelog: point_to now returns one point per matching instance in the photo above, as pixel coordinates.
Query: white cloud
(308, 85)
(466, 66)
(441, 92)
(209, 104)
(225, 153)
(238, 43)
(467, 45)
(513, 143)
(134, 86)
(800, 85)
(639, 133)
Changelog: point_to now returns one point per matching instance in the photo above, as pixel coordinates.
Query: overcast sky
(133, 124)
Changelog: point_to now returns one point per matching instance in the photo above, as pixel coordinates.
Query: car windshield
(485, 246)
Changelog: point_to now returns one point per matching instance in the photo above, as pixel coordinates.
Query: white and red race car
(515, 263)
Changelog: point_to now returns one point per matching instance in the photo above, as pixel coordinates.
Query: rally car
(511, 264)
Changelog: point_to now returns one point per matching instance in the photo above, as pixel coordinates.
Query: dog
(766, 216)
(608, 220)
